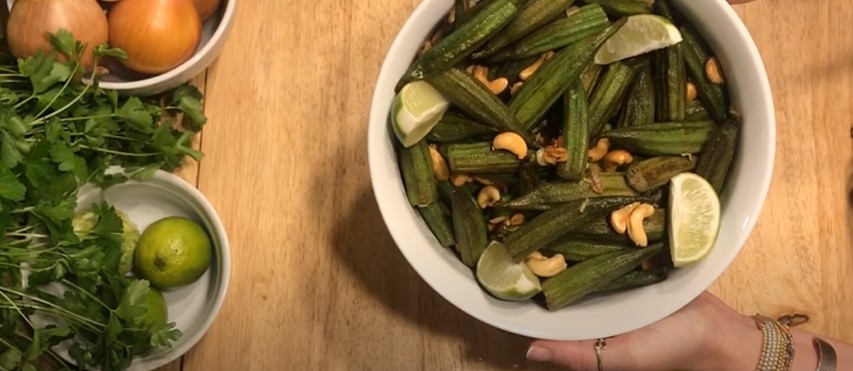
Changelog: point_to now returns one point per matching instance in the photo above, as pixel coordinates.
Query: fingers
(580, 355)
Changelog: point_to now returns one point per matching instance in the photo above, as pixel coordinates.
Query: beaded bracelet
(777, 350)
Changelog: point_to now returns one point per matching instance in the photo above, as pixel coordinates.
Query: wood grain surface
(318, 283)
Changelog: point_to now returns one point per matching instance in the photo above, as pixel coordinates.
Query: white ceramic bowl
(193, 307)
(215, 33)
(614, 314)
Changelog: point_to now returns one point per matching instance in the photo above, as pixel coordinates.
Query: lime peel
(504, 278)
(417, 108)
(694, 218)
(641, 34)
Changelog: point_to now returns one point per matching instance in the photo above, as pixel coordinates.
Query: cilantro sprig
(59, 130)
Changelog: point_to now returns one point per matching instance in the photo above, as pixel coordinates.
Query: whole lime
(173, 252)
(157, 314)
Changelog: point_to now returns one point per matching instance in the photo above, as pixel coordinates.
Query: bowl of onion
(166, 42)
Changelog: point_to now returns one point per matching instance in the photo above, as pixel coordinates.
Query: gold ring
(600, 345)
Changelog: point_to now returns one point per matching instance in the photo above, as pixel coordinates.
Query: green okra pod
(549, 226)
(472, 97)
(532, 15)
(600, 230)
(672, 84)
(469, 227)
(456, 128)
(588, 276)
(696, 111)
(587, 21)
(639, 108)
(551, 81)
(696, 56)
(624, 7)
(609, 94)
(460, 43)
(718, 154)
(417, 173)
(668, 138)
(575, 134)
(633, 280)
(655, 172)
(437, 217)
(550, 194)
(476, 158)
(580, 250)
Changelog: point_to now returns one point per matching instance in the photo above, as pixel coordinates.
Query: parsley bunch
(58, 131)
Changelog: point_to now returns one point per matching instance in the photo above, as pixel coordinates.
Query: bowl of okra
(702, 105)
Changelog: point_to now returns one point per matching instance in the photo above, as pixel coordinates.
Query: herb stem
(55, 97)
(119, 153)
(51, 307)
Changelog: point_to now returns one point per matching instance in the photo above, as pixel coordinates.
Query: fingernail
(538, 354)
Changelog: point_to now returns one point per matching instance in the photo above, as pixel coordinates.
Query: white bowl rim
(378, 132)
(227, 19)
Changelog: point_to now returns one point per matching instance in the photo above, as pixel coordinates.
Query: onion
(206, 8)
(157, 35)
(30, 20)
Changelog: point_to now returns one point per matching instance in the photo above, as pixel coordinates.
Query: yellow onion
(206, 8)
(157, 35)
(30, 20)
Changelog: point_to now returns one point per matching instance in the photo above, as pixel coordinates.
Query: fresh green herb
(59, 130)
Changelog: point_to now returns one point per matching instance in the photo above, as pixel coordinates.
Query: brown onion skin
(158, 35)
(206, 8)
(30, 20)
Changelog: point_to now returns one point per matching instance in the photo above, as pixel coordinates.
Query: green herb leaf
(9, 151)
(10, 187)
(10, 359)
(102, 50)
(134, 112)
(132, 305)
(46, 337)
(64, 42)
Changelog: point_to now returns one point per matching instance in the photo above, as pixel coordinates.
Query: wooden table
(317, 281)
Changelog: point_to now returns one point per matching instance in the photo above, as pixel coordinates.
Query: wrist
(737, 348)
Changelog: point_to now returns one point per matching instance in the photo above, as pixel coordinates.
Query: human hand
(704, 335)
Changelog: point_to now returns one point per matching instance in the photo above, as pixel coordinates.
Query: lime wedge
(417, 109)
(694, 218)
(503, 277)
(640, 34)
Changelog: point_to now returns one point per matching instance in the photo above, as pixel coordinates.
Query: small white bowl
(193, 307)
(615, 314)
(215, 33)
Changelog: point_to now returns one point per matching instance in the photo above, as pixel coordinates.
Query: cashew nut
(511, 142)
(598, 152)
(459, 179)
(543, 266)
(498, 219)
(439, 166)
(427, 45)
(712, 70)
(550, 156)
(488, 196)
(517, 219)
(619, 218)
(496, 86)
(572, 10)
(530, 70)
(482, 180)
(616, 158)
(636, 230)
(515, 87)
(691, 92)
(451, 17)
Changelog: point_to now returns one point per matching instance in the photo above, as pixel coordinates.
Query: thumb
(581, 355)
